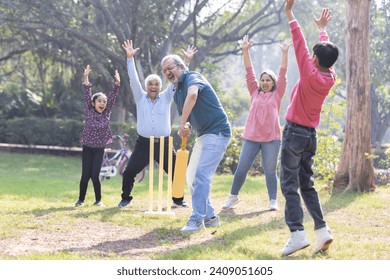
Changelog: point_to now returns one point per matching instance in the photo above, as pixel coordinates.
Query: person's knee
(95, 180)
(84, 179)
(130, 171)
(270, 171)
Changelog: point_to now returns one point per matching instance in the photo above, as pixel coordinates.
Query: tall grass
(38, 192)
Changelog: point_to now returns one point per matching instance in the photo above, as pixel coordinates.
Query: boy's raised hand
(128, 47)
(324, 19)
(117, 78)
(288, 9)
(289, 5)
(189, 53)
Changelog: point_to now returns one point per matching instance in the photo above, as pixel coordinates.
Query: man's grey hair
(153, 77)
(178, 60)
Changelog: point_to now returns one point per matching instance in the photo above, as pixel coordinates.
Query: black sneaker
(79, 203)
(124, 203)
(182, 203)
(98, 203)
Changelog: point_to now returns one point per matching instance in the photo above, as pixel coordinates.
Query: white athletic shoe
(212, 222)
(231, 201)
(324, 239)
(193, 226)
(298, 241)
(273, 205)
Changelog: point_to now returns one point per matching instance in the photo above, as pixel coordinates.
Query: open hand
(286, 44)
(189, 53)
(289, 5)
(245, 43)
(128, 47)
(324, 19)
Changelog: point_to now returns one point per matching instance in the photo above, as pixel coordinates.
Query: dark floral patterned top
(97, 132)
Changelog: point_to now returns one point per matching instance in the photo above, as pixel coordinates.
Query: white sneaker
(324, 239)
(273, 205)
(298, 241)
(193, 226)
(212, 222)
(231, 201)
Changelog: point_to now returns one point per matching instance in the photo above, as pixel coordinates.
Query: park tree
(355, 170)
(80, 32)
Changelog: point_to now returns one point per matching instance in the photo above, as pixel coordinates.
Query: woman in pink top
(262, 129)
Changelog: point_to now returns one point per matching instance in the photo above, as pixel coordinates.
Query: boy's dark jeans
(299, 145)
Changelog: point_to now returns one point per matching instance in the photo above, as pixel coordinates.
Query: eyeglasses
(164, 71)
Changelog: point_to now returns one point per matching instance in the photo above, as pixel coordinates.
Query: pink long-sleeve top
(262, 124)
(309, 93)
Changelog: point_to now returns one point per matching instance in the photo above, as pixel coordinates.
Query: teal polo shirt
(208, 115)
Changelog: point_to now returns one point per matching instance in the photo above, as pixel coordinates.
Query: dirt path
(92, 237)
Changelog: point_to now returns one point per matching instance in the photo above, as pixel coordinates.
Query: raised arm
(135, 84)
(288, 9)
(245, 44)
(87, 89)
(87, 70)
(114, 92)
(284, 47)
(117, 78)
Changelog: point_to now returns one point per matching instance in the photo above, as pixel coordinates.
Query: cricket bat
(181, 163)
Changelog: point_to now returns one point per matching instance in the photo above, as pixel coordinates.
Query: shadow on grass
(161, 242)
(231, 213)
(46, 211)
(147, 244)
(229, 240)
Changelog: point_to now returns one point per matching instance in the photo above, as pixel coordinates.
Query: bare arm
(245, 45)
(87, 70)
(117, 78)
(284, 47)
(288, 9)
(192, 95)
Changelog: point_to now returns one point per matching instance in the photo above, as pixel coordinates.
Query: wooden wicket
(160, 210)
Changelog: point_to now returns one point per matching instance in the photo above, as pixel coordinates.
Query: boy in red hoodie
(299, 142)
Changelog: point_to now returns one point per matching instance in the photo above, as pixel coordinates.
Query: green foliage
(51, 39)
(232, 154)
(381, 158)
(35, 131)
(52, 132)
(329, 137)
(66, 133)
(379, 70)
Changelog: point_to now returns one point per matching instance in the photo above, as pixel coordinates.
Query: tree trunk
(356, 171)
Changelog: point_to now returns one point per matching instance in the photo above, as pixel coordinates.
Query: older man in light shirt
(153, 119)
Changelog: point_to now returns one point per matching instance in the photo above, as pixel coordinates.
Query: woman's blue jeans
(269, 157)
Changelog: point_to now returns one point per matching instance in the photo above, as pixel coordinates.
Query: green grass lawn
(38, 220)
